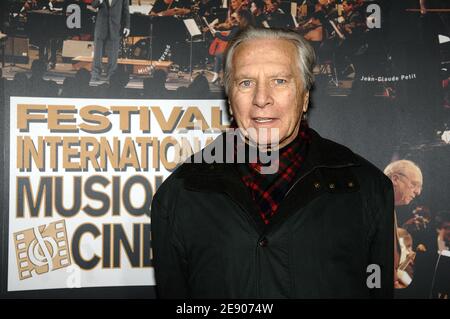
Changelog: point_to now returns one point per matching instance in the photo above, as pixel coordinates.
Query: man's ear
(305, 102)
(395, 179)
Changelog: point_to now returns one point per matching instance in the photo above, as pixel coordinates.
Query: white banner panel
(82, 176)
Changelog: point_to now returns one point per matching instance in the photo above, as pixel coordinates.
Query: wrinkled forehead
(265, 51)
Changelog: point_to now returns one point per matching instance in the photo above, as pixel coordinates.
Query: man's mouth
(263, 120)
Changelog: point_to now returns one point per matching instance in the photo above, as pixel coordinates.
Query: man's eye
(245, 83)
(280, 81)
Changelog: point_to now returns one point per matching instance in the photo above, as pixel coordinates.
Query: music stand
(193, 30)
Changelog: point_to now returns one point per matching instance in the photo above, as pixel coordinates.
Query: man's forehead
(414, 174)
(265, 48)
(276, 55)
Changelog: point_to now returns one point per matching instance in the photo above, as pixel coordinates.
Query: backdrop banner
(82, 174)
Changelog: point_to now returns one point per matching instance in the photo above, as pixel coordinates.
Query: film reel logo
(43, 249)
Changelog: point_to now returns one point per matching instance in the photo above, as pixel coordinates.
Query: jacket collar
(322, 153)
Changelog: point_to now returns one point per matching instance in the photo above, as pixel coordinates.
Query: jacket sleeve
(126, 14)
(382, 244)
(169, 259)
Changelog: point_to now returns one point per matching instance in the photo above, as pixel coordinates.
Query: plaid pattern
(268, 190)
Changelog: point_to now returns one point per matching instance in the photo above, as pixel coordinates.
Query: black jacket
(209, 241)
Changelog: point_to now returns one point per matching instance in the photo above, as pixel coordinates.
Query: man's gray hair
(306, 58)
(401, 167)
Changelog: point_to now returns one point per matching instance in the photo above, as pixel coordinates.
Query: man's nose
(262, 97)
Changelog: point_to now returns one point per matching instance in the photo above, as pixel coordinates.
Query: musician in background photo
(328, 7)
(313, 30)
(234, 7)
(330, 13)
(272, 6)
(275, 15)
(170, 8)
(257, 9)
(112, 22)
(407, 180)
(240, 20)
(351, 15)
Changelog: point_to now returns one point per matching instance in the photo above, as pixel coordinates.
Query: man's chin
(263, 143)
(266, 138)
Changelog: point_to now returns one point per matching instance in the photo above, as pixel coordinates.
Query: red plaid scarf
(268, 190)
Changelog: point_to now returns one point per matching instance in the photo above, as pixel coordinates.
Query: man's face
(266, 90)
(407, 185)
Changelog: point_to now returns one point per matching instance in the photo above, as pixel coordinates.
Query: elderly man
(315, 227)
(407, 180)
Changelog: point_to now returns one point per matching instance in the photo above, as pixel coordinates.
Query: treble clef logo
(42, 250)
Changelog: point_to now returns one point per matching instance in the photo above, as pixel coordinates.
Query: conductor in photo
(315, 221)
